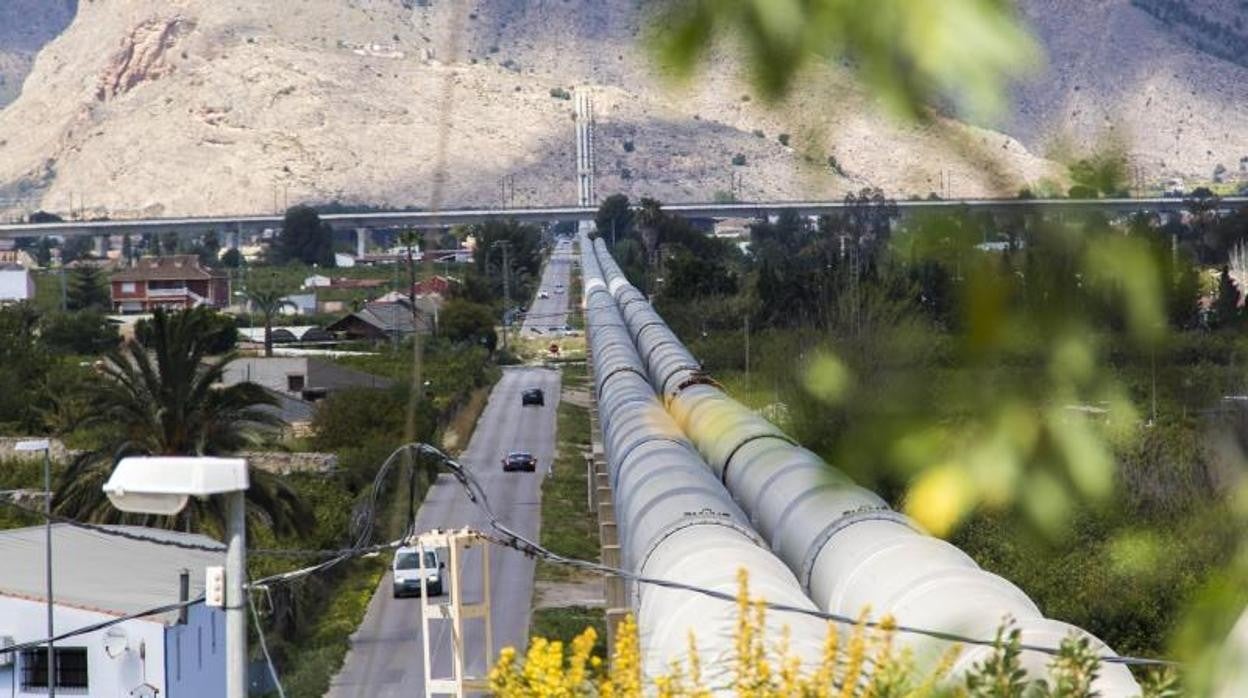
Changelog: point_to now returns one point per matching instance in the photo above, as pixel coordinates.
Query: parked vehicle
(519, 460)
(406, 569)
(559, 289)
(533, 396)
(543, 294)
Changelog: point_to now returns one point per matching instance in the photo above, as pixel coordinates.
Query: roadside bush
(352, 417)
(85, 333)
(560, 93)
(738, 159)
(467, 322)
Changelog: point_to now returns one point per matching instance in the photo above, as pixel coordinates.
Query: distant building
(733, 228)
(299, 377)
(343, 282)
(435, 285)
(388, 320)
(99, 578)
(179, 281)
(299, 304)
(16, 285)
(343, 260)
(15, 257)
(317, 281)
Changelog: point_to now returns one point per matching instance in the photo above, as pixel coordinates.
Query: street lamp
(44, 445)
(162, 485)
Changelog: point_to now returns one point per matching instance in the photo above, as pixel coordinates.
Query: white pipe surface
(676, 521)
(849, 550)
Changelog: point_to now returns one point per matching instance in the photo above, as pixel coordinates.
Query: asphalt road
(385, 657)
(545, 313)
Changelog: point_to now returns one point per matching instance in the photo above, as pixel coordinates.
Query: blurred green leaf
(910, 54)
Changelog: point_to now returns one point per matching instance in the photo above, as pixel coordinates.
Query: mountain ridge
(173, 107)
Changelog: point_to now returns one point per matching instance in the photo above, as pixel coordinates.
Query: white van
(406, 569)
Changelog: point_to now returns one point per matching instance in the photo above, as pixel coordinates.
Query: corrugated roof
(100, 572)
(176, 267)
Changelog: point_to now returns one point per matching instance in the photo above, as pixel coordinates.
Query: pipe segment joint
(705, 517)
(840, 524)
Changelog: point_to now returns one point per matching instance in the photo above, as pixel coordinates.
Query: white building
(317, 281)
(97, 577)
(16, 285)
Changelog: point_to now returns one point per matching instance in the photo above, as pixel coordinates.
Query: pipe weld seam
(702, 518)
(649, 323)
(650, 352)
(622, 457)
(840, 524)
(676, 369)
(616, 370)
(723, 475)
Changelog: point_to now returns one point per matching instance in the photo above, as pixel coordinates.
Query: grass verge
(566, 623)
(568, 527)
(460, 428)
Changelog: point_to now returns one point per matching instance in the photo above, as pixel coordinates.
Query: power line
(35, 644)
(516, 541)
(511, 539)
(264, 646)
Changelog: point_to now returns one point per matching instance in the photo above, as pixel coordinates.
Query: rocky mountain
(170, 107)
(25, 26)
(1139, 75)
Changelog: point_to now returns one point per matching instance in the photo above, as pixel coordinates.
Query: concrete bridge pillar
(232, 238)
(101, 246)
(362, 241)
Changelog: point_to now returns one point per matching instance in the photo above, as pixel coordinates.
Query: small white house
(96, 578)
(16, 285)
(317, 281)
(343, 260)
(299, 304)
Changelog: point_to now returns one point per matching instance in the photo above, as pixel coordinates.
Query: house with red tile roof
(175, 282)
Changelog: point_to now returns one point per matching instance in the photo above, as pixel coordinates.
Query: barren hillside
(167, 107)
(1120, 73)
(25, 26)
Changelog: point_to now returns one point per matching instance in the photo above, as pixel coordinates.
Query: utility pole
(747, 351)
(505, 244)
(235, 595)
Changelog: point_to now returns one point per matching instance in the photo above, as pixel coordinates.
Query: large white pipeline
(848, 549)
(676, 521)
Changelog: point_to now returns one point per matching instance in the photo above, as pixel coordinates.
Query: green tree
(75, 248)
(1226, 304)
(85, 333)
(524, 255)
(24, 363)
(220, 332)
(161, 395)
(464, 321)
(614, 219)
(232, 259)
(305, 238)
(268, 301)
(87, 289)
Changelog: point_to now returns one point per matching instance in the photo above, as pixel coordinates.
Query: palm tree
(161, 395)
(268, 300)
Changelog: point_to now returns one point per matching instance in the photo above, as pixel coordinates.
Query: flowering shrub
(866, 665)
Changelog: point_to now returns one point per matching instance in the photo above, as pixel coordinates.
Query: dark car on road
(519, 460)
(533, 396)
